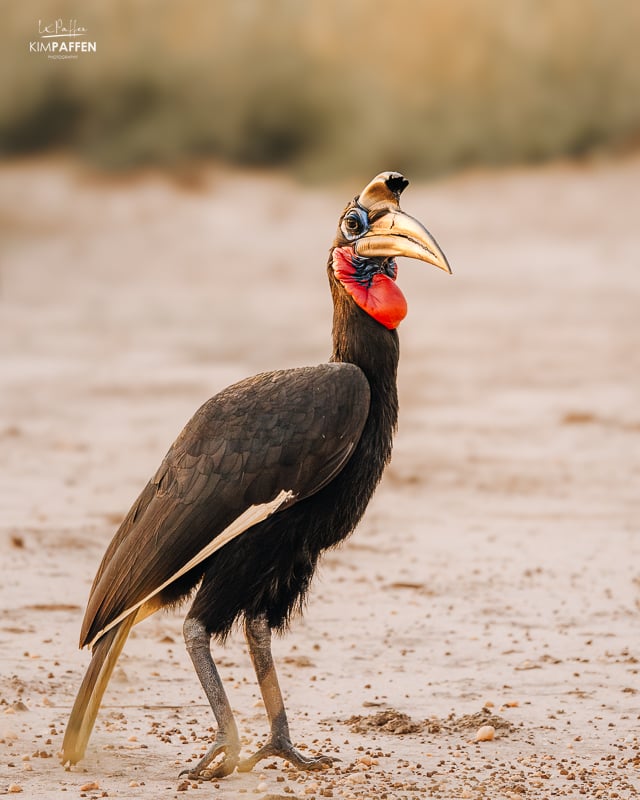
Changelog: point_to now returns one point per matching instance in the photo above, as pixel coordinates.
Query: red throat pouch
(381, 298)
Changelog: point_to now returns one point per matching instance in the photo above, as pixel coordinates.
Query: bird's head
(371, 233)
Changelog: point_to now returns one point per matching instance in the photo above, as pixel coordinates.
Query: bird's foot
(202, 772)
(283, 748)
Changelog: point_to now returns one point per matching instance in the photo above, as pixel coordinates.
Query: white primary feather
(252, 516)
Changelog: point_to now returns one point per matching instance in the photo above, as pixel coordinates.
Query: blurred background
(167, 202)
(326, 85)
(517, 121)
(166, 208)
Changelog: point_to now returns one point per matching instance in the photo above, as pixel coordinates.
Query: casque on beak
(391, 231)
(397, 234)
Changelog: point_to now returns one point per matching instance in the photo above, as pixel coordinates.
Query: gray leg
(227, 741)
(258, 636)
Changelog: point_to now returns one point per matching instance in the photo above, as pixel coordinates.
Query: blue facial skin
(354, 225)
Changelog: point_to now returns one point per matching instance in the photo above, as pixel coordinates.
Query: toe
(306, 763)
(203, 772)
(288, 753)
(224, 768)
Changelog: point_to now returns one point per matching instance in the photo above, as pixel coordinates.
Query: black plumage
(265, 476)
(290, 430)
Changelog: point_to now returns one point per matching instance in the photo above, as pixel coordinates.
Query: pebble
(485, 734)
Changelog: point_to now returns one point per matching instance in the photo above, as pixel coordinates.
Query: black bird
(267, 474)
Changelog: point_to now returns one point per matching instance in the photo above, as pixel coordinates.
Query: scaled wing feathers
(252, 450)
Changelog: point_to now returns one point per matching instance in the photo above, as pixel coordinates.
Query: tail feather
(85, 709)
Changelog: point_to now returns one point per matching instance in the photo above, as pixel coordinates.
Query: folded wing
(252, 450)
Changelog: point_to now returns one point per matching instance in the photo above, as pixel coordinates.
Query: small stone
(485, 734)
(14, 788)
(87, 787)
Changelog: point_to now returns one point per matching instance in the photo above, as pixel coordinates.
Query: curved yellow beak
(397, 234)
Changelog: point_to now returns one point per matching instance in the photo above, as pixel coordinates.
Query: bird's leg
(258, 636)
(227, 741)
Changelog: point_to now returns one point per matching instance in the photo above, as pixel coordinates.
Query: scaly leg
(227, 741)
(258, 636)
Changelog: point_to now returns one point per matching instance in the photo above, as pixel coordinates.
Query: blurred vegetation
(326, 85)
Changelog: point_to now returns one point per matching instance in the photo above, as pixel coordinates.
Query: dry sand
(496, 576)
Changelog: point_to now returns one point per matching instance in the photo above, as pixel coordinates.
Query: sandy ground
(496, 576)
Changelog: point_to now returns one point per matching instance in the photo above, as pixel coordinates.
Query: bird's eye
(355, 223)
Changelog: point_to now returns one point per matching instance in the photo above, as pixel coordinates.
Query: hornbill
(266, 475)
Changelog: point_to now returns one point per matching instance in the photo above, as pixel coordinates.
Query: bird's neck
(358, 339)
